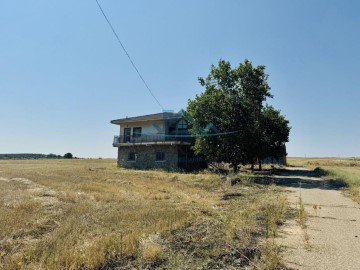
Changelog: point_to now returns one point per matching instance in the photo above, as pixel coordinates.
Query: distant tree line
(234, 101)
(34, 156)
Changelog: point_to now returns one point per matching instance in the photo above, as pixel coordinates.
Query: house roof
(149, 117)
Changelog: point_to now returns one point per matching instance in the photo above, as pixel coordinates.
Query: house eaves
(149, 117)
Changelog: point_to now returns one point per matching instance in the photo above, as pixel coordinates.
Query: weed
(302, 213)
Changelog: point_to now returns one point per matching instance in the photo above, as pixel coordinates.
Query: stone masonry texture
(146, 156)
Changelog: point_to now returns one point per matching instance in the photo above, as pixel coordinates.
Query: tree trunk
(235, 168)
(260, 167)
(252, 166)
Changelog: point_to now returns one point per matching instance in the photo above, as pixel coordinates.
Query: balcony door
(127, 134)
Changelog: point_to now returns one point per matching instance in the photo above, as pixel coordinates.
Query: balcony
(124, 140)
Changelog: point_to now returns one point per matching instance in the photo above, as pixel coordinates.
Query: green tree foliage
(274, 134)
(51, 155)
(233, 101)
(29, 156)
(68, 155)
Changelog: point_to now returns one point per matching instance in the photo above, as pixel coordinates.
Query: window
(160, 156)
(182, 124)
(131, 156)
(136, 131)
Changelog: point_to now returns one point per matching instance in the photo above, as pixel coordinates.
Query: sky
(63, 76)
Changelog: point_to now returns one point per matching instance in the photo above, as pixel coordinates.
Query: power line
(128, 56)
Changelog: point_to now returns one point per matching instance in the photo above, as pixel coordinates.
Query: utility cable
(128, 56)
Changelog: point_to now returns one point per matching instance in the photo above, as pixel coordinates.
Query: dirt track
(44, 195)
(331, 238)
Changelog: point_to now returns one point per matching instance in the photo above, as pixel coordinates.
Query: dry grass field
(89, 214)
(346, 171)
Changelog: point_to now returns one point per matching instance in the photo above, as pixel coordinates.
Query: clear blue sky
(63, 76)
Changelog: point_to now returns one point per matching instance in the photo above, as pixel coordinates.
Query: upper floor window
(136, 131)
(182, 124)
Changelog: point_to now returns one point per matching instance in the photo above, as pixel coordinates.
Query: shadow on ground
(308, 179)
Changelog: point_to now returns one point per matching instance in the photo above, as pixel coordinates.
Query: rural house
(160, 140)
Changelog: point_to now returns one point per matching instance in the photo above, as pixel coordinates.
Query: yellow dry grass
(89, 214)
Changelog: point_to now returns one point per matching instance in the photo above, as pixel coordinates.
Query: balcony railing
(123, 139)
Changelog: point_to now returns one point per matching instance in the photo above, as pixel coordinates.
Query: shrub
(68, 155)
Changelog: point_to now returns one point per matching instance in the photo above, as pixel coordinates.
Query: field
(89, 214)
(346, 171)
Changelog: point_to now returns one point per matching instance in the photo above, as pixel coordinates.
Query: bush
(68, 155)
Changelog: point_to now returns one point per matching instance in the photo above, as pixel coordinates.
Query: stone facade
(145, 156)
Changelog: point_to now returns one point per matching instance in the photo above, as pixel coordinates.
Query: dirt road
(331, 237)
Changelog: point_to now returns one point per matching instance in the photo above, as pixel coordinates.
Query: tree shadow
(307, 179)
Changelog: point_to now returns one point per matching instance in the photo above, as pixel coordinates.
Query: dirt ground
(330, 237)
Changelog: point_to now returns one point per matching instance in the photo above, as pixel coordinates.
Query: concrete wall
(146, 156)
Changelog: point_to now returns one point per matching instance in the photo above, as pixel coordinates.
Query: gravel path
(331, 237)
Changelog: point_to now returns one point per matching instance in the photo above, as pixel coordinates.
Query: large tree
(233, 101)
(274, 133)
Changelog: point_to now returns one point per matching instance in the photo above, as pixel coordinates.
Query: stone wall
(146, 156)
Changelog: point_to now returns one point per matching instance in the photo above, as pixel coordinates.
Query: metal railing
(149, 138)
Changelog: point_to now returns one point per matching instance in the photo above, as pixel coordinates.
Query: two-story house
(157, 140)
